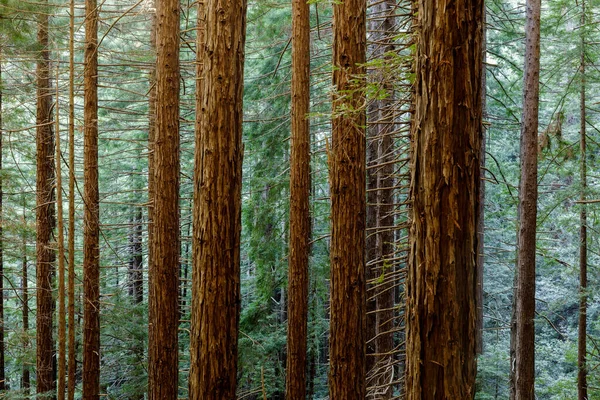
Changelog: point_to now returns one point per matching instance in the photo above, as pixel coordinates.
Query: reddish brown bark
(528, 193)
(446, 134)
(91, 251)
(44, 215)
(300, 223)
(347, 175)
(217, 199)
(163, 366)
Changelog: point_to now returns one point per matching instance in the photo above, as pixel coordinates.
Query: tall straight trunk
(25, 377)
(151, 190)
(347, 371)
(446, 134)
(582, 340)
(62, 316)
(162, 350)
(72, 365)
(384, 344)
(2, 370)
(217, 199)
(372, 183)
(91, 215)
(44, 214)
(300, 223)
(528, 193)
(481, 211)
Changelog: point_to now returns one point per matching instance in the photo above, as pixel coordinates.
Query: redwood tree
(528, 193)
(347, 369)
(446, 133)
(44, 214)
(163, 366)
(217, 199)
(300, 228)
(91, 251)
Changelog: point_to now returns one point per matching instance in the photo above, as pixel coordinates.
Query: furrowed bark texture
(44, 215)
(347, 372)
(441, 289)
(300, 223)
(163, 365)
(91, 250)
(528, 193)
(582, 391)
(217, 199)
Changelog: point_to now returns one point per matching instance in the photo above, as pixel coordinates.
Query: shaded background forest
(126, 57)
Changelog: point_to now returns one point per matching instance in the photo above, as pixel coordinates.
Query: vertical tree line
(446, 135)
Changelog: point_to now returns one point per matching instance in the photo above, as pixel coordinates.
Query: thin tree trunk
(582, 340)
(91, 216)
(300, 222)
(446, 132)
(347, 373)
(384, 345)
(217, 199)
(151, 189)
(481, 211)
(2, 371)
(134, 276)
(62, 316)
(25, 378)
(528, 193)
(72, 366)
(44, 215)
(163, 368)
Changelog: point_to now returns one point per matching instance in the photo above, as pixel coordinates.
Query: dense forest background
(126, 59)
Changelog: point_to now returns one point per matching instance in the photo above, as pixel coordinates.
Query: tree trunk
(446, 132)
(72, 365)
(135, 276)
(384, 345)
(25, 378)
(151, 190)
(62, 316)
(217, 199)
(525, 343)
(2, 371)
(44, 215)
(481, 211)
(347, 373)
(582, 340)
(91, 250)
(300, 223)
(163, 368)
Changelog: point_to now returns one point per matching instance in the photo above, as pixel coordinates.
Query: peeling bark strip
(295, 379)
(91, 196)
(347, 370)
(528, 193)
(163, 368)
(44, 215)
(217, 199)
(446, 132)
